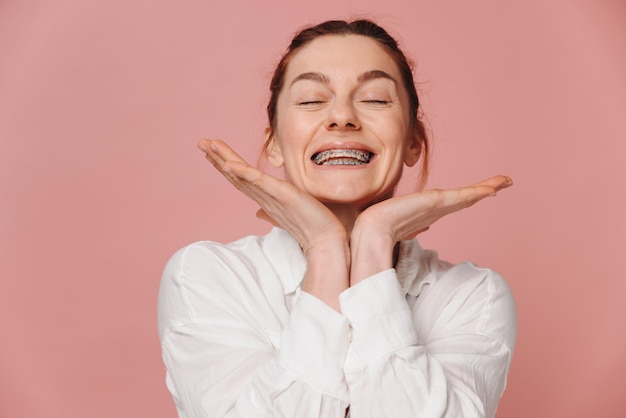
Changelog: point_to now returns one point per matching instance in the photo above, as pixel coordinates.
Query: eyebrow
(311, 76)
(366, 76)
(374, 74)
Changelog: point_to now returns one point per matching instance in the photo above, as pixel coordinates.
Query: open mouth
(342, 157)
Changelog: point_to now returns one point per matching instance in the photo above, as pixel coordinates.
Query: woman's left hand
(381, 226)
(322, 236)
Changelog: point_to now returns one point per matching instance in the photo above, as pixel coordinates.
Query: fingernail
(202, 146)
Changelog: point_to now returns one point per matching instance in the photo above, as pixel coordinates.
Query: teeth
(341, 157)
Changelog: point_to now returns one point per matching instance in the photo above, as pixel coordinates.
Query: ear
(272, 149)
(413, 150)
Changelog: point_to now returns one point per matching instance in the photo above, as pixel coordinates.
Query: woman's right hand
(321, 235)
(282, 204)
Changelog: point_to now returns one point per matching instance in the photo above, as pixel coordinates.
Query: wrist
(371, 252)
(328, 264)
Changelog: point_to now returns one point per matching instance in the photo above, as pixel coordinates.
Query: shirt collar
(284, 252)
(414, 267)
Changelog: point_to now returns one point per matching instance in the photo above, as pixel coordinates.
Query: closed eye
(377, 102)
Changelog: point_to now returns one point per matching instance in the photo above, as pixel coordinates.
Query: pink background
(102, 103)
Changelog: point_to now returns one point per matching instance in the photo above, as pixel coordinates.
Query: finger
(422, 230)
(228, 162)
(244, 178)
(257, 185)
(211, 154)
(452, 200)
(261, 214)
(248, 179)
(416, 233)
(243, 171)
(468, 195)
(496, 182)
(218, 152)
(224, 151)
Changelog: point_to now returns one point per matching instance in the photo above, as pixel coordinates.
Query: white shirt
(241, 339)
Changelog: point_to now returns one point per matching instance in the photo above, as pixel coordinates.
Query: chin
(349, 197)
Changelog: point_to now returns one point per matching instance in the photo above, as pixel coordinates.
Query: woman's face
(342, 129)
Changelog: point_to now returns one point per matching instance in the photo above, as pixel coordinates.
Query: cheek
(393, 131)
(296, 132)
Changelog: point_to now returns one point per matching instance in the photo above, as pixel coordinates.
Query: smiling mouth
(342, 157)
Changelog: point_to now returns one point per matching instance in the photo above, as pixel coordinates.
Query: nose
(342, 116)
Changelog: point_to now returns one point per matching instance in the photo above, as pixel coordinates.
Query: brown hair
(370, 30)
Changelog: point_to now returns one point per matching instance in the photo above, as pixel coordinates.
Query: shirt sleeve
(445, 356)
(222, 363)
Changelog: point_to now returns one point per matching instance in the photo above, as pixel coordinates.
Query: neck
(346, 214)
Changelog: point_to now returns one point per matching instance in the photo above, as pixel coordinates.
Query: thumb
(261, 214)
(414, 234)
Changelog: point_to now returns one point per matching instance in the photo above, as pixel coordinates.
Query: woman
(337, 310)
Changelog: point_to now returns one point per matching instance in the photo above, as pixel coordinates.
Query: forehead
(341, 56)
